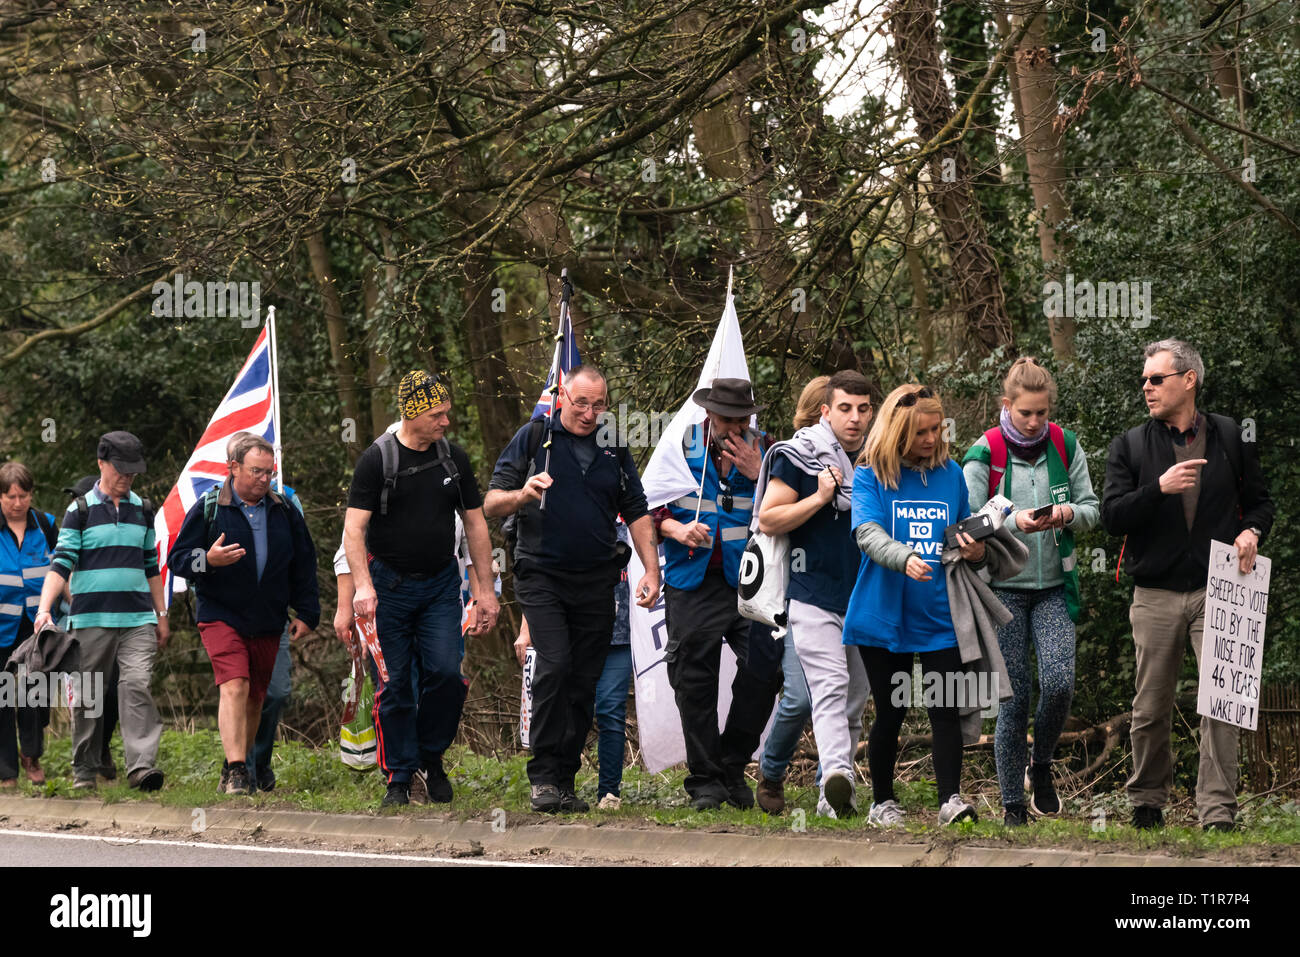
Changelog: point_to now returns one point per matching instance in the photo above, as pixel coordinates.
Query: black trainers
(710, 799)
(145, 779)
(265, 779)
(439, 787)
(1147, 818)
(545, 798)
(570, 803)
(1015, 815)
(237, 781)
(739, 795)
(1222, 826)
(1044, 800)
(397, 795)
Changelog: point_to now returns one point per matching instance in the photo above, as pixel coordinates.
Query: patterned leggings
(1043, 614)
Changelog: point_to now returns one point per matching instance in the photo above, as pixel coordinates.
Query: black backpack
(388, 453)
(47, 529)
(145, 504)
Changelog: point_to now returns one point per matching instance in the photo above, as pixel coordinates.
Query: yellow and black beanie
(418, 392)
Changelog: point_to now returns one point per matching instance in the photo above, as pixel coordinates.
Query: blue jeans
(277, 696)
(611, 718)
(793, 712)
(418, 625)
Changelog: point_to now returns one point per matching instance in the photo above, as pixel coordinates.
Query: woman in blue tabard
(906, 491)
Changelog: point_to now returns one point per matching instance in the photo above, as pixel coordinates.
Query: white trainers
(610, 802)
(837, 791)
(886, 814)
(956, 809)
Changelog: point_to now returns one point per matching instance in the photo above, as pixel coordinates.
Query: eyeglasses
(582, 405)
(258, 473)
(909, 400)
(1157, 380)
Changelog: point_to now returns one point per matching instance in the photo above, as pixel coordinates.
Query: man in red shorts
(251, 558)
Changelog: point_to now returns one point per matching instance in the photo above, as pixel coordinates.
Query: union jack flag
(569, 360)
(249, 406)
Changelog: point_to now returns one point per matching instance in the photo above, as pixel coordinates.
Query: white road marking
(127, 842)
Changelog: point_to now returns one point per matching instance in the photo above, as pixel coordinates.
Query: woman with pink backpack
(1040, 467)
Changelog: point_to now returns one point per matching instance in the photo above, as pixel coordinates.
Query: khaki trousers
(1163, 621)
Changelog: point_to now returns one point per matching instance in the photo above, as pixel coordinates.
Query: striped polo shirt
(109, 553)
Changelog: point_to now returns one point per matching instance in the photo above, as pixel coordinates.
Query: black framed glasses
(909, 400)
(1158, 380)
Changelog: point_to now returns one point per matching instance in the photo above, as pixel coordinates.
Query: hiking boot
(1043, 800)
(1147, 818)
(225, 777)
(147, 779)
(32, 766)
(397, 795)
(886, 814)
(438, 786)
(771, 795)
(1225, 827)
(838, 790)
(610, 802)
(570, 803)
(82, 784)
(956, 809)
(545, 798)
(1015, 815)
(237, 780)
(739, 795)
(108, 772)
(264, 779)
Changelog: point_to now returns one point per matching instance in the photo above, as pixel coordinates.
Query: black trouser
(698, 622)
(30, 721)
(570, 621)
(885, 669)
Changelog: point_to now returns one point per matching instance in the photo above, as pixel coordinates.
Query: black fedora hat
(733, 398)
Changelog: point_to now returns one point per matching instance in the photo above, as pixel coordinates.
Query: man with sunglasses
(248, 551)
(567, 562)
(1173, 484)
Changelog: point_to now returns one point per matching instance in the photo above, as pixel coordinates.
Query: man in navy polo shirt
(808, 498)
(566, 565)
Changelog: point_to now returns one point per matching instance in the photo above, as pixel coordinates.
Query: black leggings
(886, 670)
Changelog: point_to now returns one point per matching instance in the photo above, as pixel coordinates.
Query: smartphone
(1043, 512)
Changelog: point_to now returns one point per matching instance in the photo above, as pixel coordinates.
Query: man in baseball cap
(117, 618)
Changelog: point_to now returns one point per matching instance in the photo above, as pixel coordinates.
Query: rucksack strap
(388, 455)
(47, 528)
(997, 458)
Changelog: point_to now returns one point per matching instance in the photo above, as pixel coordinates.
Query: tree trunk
(974, 267)
(1036, 108)
(495, 391)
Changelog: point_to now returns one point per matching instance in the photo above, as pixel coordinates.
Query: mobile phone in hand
(1043, 512)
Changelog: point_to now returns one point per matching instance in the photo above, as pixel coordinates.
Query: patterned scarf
(1024, 447)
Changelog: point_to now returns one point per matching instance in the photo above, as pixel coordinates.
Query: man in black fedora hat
(704, 537)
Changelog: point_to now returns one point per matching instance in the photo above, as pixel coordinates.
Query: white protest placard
(526, 696)
(1232, 646)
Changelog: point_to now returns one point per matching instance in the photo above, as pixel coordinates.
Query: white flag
(667, 477)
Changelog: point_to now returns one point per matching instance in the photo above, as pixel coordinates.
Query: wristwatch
(1258, 533)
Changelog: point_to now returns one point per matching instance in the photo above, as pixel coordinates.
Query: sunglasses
(909, 400)
(1158, 380)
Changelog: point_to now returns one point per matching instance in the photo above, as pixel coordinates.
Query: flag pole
(275, 399)
(566, 290)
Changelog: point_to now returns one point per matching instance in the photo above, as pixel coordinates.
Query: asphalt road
(28, 848)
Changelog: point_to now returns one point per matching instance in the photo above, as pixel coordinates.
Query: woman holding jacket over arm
(906, 491)
(1040, 467)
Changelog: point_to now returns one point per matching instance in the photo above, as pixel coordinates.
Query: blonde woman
(1039, 466)
(906, 491)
